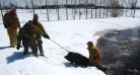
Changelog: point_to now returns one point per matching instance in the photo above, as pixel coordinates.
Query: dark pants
(33, 47)
(39, 44)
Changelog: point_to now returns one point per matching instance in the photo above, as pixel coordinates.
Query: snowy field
(72, 35)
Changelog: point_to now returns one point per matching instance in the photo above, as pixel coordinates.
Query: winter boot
(41, 54)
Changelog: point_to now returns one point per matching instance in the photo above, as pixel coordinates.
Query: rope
(59, 45)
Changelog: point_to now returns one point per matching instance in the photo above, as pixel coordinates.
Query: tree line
(94, 8)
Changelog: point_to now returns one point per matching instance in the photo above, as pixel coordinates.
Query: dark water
(121, 50)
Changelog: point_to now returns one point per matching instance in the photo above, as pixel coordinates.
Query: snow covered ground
(72, 35)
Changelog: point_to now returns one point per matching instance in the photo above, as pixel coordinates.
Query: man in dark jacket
(11, 23)
(28, 38)
(31, 34)
(40, 32)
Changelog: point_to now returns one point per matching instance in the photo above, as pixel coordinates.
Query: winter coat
(11, 20)
(40, 31)
(94, 55)
(27, 34)
(30, 33)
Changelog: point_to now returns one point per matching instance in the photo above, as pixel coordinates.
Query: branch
(3, 3)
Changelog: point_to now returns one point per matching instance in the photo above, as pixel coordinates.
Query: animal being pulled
(77, 59)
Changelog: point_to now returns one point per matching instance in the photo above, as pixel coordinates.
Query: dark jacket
(29, 33)
(26, 34)
(40, 31)
(10, 19)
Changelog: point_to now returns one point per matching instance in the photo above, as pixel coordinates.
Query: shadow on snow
(16, 56)
(4, 47)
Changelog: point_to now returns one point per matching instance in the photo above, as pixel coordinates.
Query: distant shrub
(115, 11)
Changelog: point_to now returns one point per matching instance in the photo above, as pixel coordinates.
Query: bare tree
(115, 11)
(104, 10)
(33, 6)
(126, 3)
(134, 7)
(2, 3)
(27, 4)
(95, 8)
(91, 9)
(66, 9)
(100, 10)
(55, 3)
(86, 9)
(58, 10)
(47, 10)
(74, 9)
(79, 10)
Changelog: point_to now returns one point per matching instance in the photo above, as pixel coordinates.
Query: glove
(5, 26)
(46, 36)
(18, 46)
